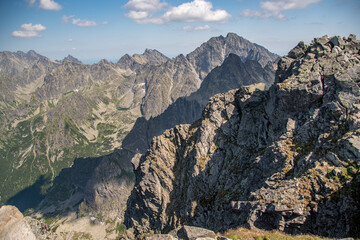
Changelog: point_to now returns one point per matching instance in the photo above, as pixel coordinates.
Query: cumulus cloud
(81, 22)
(142, 11)
(198, 28)
(50, 5)
(196, 11)
(275, 8)
(149, 6)
(28, 30)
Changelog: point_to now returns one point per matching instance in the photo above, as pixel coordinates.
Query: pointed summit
(70, 58)
(213, 52)
(150, 56)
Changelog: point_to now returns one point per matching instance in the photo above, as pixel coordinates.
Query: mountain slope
(77, 111)
(188, 72)
(232, 74)
(286, 158)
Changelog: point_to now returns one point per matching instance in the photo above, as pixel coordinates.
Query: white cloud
(142, 11)
(198, 28)
(69, 40)
(50, 5)
(137, 15)
(275, 8)
(150, 6)
(29, 31)
(65, 19)
(196, 11)
(81, 22)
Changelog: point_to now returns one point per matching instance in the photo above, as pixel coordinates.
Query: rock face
(13, 225)
(286, 158)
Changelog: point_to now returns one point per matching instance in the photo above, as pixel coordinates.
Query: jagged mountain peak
(103, 62)
(70, 58)
(150, 56)
(213, 52)
(32, 53)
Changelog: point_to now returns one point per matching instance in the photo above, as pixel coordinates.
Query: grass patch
(120, 228)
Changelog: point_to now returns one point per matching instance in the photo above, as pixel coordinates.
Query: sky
(91, 30)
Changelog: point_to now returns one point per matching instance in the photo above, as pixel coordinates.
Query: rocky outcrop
(286, 158)
(13, 225)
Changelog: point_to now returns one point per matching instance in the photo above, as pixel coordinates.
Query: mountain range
(54, 112)
(228, 136)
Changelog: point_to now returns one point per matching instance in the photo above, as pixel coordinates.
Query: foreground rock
(286, 158)
(186, 233)
(13, 225)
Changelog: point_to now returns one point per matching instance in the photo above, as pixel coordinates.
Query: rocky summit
(286, 158)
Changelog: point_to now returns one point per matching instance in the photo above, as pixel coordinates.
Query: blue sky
(93, 30)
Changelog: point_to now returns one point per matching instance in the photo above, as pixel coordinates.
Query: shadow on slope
(85, 187)
(31, 196)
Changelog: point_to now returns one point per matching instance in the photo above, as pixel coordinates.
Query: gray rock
(193, 233)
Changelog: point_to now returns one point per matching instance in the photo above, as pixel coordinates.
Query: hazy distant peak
(70, 58)
(103, 61)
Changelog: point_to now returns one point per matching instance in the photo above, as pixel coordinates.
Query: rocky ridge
(286, 158)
